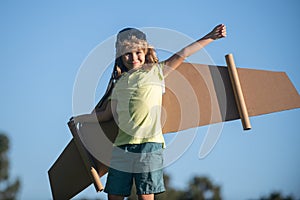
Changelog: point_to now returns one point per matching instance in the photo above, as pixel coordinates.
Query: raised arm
(175, 60)
(102, 116)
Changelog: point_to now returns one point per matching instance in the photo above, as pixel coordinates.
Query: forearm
(194, 47)
(90, 118)
(175, 60)
(98, 116)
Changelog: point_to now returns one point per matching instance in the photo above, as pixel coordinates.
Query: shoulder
(161, 65)
(159, 69)
(158, 66)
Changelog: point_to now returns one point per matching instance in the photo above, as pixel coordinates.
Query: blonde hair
(127, 40)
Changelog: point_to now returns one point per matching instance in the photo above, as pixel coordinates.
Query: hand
(217, 33)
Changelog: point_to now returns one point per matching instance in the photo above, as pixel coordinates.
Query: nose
(134, 56)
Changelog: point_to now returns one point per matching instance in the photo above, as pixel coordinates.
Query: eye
(127, 54)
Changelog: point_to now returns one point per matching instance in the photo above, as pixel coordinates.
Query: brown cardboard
(68, 175)
(196, 95)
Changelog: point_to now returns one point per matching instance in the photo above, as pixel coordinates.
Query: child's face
(134, 59)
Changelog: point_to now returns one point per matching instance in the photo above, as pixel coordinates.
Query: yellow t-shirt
(139, 100)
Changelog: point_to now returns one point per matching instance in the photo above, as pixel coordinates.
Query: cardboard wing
(196, 95)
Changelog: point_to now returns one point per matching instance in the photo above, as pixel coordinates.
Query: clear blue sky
(44, 43)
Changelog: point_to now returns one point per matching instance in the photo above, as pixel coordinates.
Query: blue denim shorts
(141, 163)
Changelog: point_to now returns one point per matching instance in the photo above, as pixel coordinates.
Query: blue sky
(44, 43)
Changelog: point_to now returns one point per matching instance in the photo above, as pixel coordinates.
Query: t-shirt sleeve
(160, 67)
